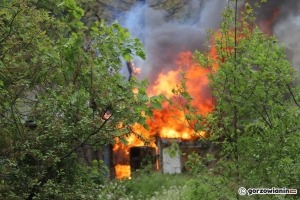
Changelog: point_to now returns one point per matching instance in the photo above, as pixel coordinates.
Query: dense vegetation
(60, 89)
(257, 106)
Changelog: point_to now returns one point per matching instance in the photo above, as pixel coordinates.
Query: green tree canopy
(256, 115)
(60, 89)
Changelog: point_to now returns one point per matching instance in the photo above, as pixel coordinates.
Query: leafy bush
(208, 186)
(174, 193)
(114, 190)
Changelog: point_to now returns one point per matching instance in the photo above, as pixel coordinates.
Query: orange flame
(121, 151)
(122, 171)
(170, 121)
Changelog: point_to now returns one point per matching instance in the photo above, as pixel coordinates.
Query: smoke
(164, 38)
(283, 19)
(287, 30)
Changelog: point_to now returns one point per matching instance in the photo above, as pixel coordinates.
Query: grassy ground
(152, 184)
(149, 185)
(159, 186)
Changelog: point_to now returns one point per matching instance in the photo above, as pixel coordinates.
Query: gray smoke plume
(287, 32)
(287, 29)
(286, 26)
(164, 38)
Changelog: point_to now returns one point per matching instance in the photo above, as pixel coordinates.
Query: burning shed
(169, 124)
(169, 46)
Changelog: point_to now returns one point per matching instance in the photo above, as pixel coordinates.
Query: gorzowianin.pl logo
(251, 191)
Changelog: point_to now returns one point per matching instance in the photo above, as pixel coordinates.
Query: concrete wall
(171, 163)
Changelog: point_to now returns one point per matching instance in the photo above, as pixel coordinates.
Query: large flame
(170, 121)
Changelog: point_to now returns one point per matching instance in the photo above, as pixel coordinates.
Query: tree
(60, 90)
(256, 104)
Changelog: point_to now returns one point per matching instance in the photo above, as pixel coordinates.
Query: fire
(171, 133)
(122, 171)
(121, 151)
(171, 121)
(197, 84)
(165, 83)
(197, 81)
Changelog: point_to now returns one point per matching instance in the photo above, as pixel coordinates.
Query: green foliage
(157, 186)
(196, 164)
(174, 192)
(113, 190)
(207, 186)
(97, 172)
(257, 106)
(60, 89)
(173, 150)
(144, 186)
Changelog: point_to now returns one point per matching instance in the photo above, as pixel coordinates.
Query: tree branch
(10, 26)
(293, 96)
(85, 140)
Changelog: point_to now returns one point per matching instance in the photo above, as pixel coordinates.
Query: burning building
(169, 44)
